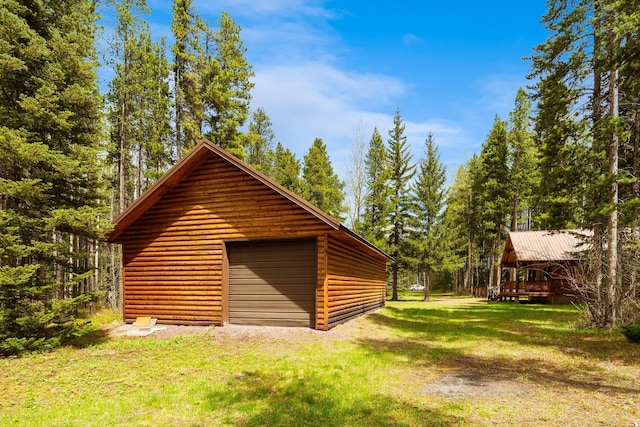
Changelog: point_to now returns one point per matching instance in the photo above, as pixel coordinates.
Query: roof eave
(366, 243)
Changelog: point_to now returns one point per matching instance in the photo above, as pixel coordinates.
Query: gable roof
(543, 246)
(188, 163)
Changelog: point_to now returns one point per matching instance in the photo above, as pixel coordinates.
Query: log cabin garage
(215, 241)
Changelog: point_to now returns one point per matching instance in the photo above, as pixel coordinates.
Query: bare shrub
(588, 282)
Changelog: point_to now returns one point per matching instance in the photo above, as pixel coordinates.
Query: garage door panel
(282, 321)
(272, 283)
(238, 276)
(273, 306)
(282, 253)
(267, 263)
(253, 282)
(249, 316)
(259, 292)
(289, 257)
(268, 298)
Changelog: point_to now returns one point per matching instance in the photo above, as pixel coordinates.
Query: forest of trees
(74, 154)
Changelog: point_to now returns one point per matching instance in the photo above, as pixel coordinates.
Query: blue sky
(328, 68)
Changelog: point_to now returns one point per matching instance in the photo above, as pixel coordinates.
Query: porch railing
(527, 286)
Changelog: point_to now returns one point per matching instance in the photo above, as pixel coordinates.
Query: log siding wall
(356, 282)
(173, 254)
(175, 265)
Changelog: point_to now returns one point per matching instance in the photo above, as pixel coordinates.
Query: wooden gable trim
(508, 255)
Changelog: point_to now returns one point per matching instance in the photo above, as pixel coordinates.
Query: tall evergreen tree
(494, 195)
(401, 171)
(226, 85)
(427, 227)
(49, 177)
(186, 26)
(258, 142)
(320, 184)
(211, 80)
(154, 152)
(460, 220)
(286, 169)
(523, 171)
(376, 202)
(584, 59)
(562, 63)
(562, 159)
(628, 16)
(139, 107)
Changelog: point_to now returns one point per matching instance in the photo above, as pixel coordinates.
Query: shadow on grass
(426, 333)
(282, 399)
(91, 338)
(538, 325)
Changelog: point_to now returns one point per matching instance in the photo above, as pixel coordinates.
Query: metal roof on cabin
(543, 246)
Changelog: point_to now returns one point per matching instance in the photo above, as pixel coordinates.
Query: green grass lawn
(451, 361)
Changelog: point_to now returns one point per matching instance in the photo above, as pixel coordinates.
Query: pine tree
(475, 222)
(320, 184)
(258, 142)
(628, 17)
(226, 85)
(427, 227)
(561, 64)
(139, 107)
(155, 148)
(376, 202)
(211, 80)
(186, 26)
(523, 171)
(50, 188)
(286, 169)
(400, 174)
(562, 159)
(586, 53)
(459, 220)
(493, 193)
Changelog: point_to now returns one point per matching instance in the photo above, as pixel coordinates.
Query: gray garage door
(272, 283)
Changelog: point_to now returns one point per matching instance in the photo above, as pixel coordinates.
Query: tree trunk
(427, 284)
(514, 213)
(469, 272)
(612, 231)
(121, 164)
(394, 283)
(598, 227)
(140, 173)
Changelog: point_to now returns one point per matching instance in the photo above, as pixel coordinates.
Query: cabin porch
(540, 266)
(538, 291)
(536, 284)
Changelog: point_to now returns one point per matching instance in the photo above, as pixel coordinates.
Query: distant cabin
(215, 241)
(540, 266)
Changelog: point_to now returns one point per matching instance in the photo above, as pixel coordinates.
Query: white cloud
(307, 93)
(270, 9)
(499, 93)
(314, 99)
(410, 39)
